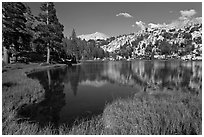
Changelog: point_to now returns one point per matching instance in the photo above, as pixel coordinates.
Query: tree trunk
(48, 54)
(152, 55)
(76, 58)
(6, 55)
(49, 78)
(48, 48)
(16, 57)
(15, 52)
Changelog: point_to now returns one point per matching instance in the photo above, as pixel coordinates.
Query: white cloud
(152, 25)
(176, 23)
(187, 13)
(181, 23)
(140, 24)
(127, 15)
(185, 18)
(198, 19)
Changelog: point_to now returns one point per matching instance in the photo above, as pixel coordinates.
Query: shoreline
(18, 89)
(140, 59)
(47, 67)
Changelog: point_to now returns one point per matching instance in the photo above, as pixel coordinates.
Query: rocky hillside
(184, 41)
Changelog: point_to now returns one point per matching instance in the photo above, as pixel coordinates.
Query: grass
(146, 113)
(157, 114)
(18, 90)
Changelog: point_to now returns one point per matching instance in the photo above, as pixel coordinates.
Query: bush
(30, 57)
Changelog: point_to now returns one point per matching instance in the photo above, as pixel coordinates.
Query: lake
(82, 91)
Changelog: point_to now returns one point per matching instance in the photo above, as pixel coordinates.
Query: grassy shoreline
(18, 90)
(169, 112)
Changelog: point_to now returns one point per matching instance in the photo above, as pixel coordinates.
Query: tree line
(40, 38)
(82, 49)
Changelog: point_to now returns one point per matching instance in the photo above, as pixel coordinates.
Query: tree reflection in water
(163, 74)
(74, 75)
(46, 111)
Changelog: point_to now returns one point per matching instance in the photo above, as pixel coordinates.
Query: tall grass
(165, 113)
(17, 89)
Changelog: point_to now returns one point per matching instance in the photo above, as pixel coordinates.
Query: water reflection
(83, 90)
(46, 111)
(170, 73)
(74, 78)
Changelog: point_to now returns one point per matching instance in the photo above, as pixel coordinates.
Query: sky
(116, 18)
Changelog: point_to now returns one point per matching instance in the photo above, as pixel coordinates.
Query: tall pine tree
(50, 31)
(75, 46)
(31, 23)
(13, 28)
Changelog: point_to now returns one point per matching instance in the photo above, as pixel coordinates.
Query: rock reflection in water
(82, 91)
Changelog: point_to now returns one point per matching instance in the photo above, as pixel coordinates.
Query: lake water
(83, 91)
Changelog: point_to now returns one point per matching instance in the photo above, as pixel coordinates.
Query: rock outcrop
(183, 42)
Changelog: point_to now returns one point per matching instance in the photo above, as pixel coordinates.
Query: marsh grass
(151, 113)
(17, 89)
(162, 113)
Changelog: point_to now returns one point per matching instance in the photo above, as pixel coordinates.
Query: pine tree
(74, 37)
(31, 23)
(50, 31)
(75, 46)
(13, 28)
(165, 48)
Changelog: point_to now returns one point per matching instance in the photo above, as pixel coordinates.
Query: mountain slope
(94, 36)
(176, 41)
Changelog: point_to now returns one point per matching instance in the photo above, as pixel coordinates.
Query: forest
(29, 38)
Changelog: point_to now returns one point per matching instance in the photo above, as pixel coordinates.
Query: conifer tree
(50, 31)
(13, 28)
(31, 23)
(74, 45)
